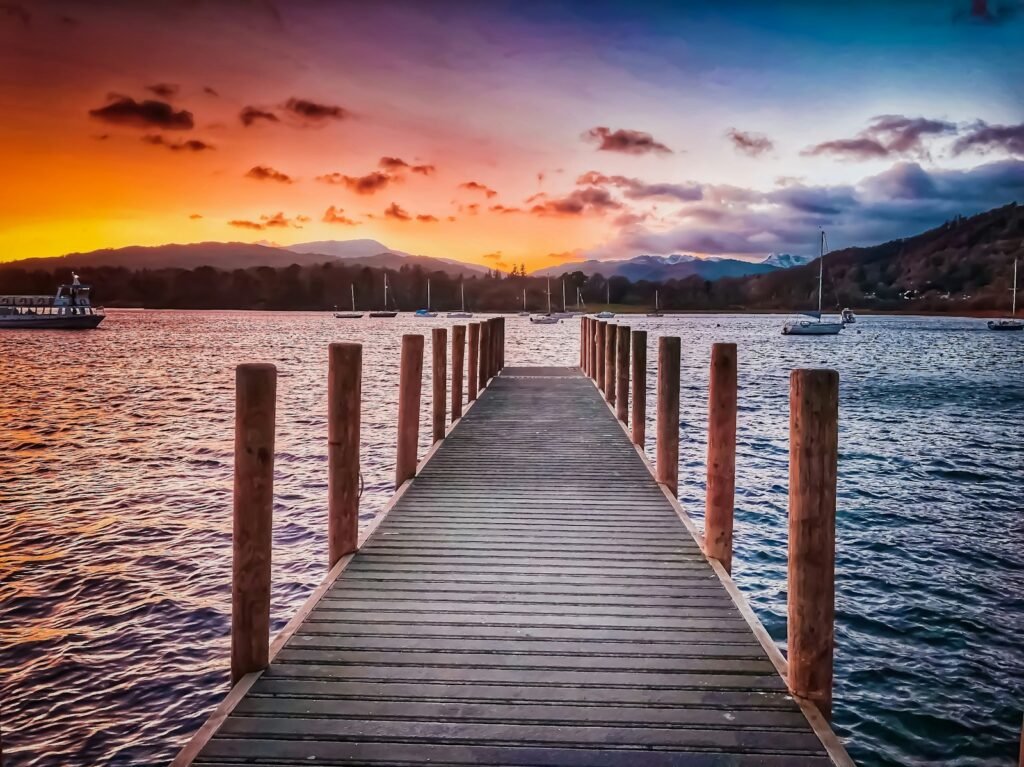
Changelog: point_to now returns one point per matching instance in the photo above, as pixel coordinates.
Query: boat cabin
(71, 299)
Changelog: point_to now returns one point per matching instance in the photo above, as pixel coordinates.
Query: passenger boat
(817, 328)
(352, 315)
(1013, 323)
(69, 309)
(385, 312)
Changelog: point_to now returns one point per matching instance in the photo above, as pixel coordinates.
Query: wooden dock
(532, 597)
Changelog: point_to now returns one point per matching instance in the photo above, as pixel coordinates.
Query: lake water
(115, 482)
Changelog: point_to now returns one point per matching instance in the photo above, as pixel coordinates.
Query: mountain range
(675, 267)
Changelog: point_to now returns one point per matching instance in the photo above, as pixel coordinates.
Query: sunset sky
(527, 132)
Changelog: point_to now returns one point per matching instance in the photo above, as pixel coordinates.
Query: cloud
(250, 115)
(126, 111)
(264, 173)
(635, 189)
(983, 138)
(624, 140)
(426, 218)
(495, 256)
(903, 200)
(397, 213)
(988, 13)
(504, 209)
(210, 91)
(314, 112)
(334, 215)
(397, 165)
(886, 136)
(17, 12)
(369, 184)
(163, 90)
(476, 186)
(753, 144)
(274, 221)
(590, 199)
(196, 216)
(629, 219)
(192, 145)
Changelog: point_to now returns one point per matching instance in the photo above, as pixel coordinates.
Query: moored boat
(352, 315)
(69, 309)
(385, 312)
(817, 328)
(1012, 323)
(461, 314)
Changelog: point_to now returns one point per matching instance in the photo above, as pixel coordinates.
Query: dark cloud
(635, 189)
(192, 145)
(887, 135)
(275, 221)
(495, 256)
(250, 115)
(313, 112)
(371, 183)
(624, 140)
(983, 137)
(196, 216)
(397, 165)
(265, 173)
(426, 218)
(143, 114)
(476, 186)
(17, 12)
(504, 209)
(163, 90)
(394, 211)
(335, 215)
(590, 199)
(753, 144)
(210, 91)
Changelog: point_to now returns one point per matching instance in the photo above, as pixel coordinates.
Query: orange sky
(512, 101)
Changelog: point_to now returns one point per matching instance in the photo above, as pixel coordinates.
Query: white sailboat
(1013, 323)
(549, 318)
(581, 308)
(524, 312)
(352, 315)
(565, 313)
(463, 313)
(385, 312)
(426, 312)
(657, 312)
(606, 314)
(817, 328)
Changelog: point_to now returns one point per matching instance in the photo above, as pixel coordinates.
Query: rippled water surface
(115, 480)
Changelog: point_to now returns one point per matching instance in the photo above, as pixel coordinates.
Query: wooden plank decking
(533, 598)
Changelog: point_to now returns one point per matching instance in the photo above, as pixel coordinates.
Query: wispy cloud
(625, 140)
(191, 145)
(983, 137)
(266, 173)
(476, 186)
(251, 115)
(753, 144)
(371, 183)
(128, 112)
(335, 215)
(886, 136)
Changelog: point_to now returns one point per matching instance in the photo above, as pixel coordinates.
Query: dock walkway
(533, 598)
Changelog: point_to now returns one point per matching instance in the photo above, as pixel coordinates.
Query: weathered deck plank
(532, 599)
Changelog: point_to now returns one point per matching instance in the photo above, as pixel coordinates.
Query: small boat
(524, 312)
(657, 312)
(385, 312)
(463, 313)
(69, 309)
(352, 315)
(549, 318)
(818, 328)
(848, 317)
(606, 314)
(426, 312)
(1013, 323)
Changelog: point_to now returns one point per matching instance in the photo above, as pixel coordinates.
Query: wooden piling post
(588, 344)
(410, 381)
(344, 395)
(458, 363)
(255, 405)
(583, 343)
(473, 362)
(602, 327)
(501, 345)
(639, 414)
(813, 457)
(611, 334)
(622, 375)
(721, 485)
(439, 382)
(667, 447)
(485, 354)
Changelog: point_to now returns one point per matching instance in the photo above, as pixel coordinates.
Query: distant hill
(241, 255)
(787, 260)
(660, 268)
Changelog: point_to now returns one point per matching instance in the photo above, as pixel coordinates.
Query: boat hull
(383, 314)
(347, 315)
(1005, 325)
(50, 322)
(812, 329)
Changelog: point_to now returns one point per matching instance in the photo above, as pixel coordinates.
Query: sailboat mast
(821, 273)
(353, 286)
(1013, 311)
(524, 299)
(428, 295)
(549, 296)
(563, 297)
(462, 285)
(385, 291)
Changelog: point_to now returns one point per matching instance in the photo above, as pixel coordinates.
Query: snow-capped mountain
(787, 260)
(661, 268)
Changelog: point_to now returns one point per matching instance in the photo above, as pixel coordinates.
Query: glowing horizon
(539, 133)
